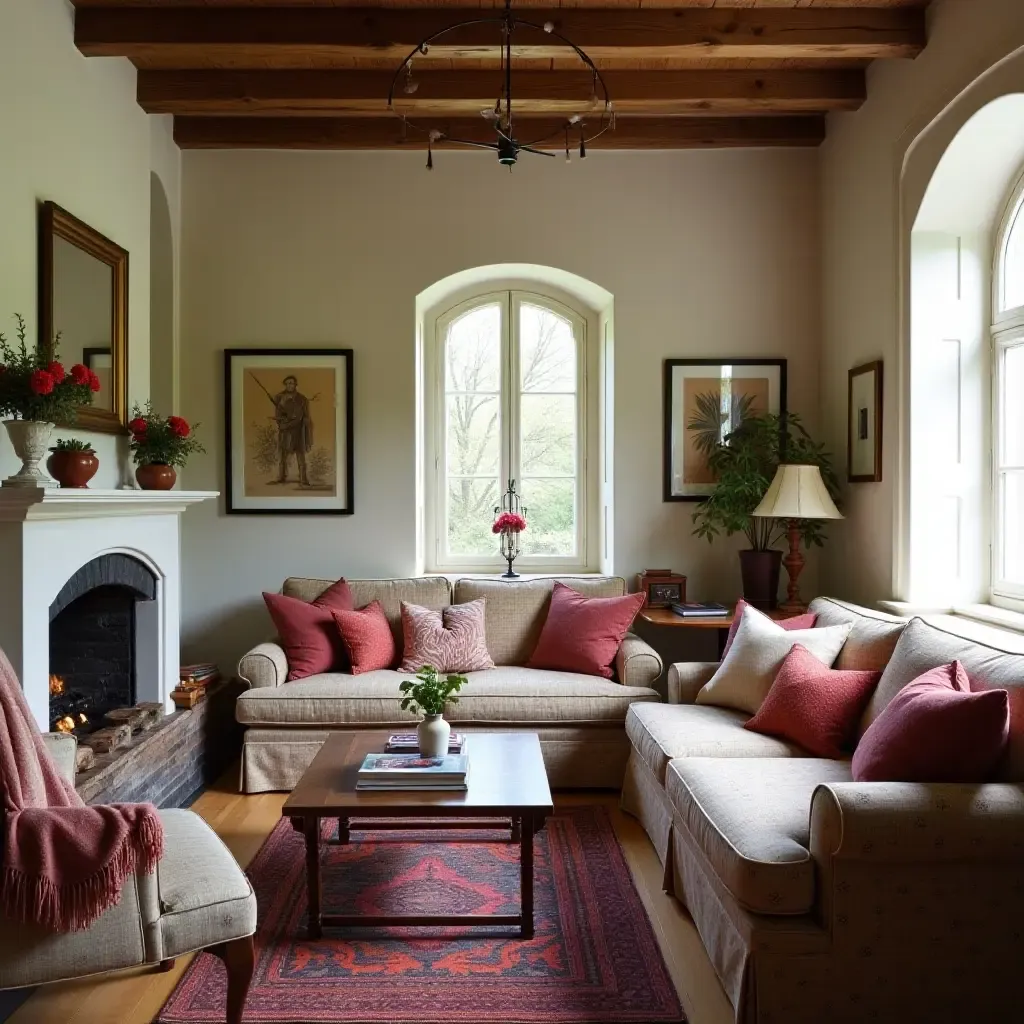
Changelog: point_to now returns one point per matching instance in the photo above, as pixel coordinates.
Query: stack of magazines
(408, 743)
(413, 771)
(694, 610)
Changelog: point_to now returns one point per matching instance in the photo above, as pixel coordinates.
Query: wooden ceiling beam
(386, 133)
(290, 37)
(453, 93)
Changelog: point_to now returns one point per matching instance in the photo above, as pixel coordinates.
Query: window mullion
(512, 398)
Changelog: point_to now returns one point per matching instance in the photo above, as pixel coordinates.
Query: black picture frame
(673, 417)
(292, 360)
(864, 423)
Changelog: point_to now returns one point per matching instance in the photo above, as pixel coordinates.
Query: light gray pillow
(758, 650)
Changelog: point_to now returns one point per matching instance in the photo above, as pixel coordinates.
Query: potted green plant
(744, 464)
(35, 393)
(73, 463)
(428, 696)
(160, 444)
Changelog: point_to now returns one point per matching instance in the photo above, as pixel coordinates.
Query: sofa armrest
(686, 678)
(900, 822)
(637, 663)
(265, 665)
(63, 749)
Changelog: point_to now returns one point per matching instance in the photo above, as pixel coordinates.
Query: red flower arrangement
(34, 384)
(509, 522)
(160, 441)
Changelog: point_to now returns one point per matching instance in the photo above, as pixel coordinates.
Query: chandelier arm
(427, 40)
(493, 146)
(538, 152)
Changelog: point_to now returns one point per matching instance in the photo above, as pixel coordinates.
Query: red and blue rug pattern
(593, 960)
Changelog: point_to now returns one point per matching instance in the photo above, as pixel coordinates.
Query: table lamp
(796, 493)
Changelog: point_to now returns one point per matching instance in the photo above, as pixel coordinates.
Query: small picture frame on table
(661, 588)
(864, 424)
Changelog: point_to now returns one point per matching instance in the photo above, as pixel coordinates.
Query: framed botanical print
(288, 431)
(705, 400)
(864, 424)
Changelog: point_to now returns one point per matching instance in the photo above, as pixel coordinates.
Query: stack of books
(694, 610)
(407, 743)
(193, 681)
(381, 772)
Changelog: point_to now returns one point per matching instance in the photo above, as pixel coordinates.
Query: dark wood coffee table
(507, 782)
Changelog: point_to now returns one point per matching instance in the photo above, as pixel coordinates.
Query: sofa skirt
(645, 799)
(583, 757)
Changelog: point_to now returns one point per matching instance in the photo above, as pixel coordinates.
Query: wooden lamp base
(794, 563)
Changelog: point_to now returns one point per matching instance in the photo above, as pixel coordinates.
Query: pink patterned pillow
(451, 641)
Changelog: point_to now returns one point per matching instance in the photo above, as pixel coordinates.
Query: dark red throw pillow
(813, 705)
(935, 730)
(368, 639)
(583, 634)
(307, 631)
(805, 621)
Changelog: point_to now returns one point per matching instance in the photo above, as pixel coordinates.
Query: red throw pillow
(368, 639)
(935, 730)
(583, 634)
(307, 631)
(813, 705)
(805, 621)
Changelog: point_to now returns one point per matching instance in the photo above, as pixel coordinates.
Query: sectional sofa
(580, 718)
(822, 899)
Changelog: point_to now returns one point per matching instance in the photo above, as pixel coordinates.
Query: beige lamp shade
(797, 492)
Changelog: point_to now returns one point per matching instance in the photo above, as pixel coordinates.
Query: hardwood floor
(243, 822)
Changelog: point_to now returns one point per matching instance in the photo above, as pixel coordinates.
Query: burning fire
(67, 724)
(56, 686)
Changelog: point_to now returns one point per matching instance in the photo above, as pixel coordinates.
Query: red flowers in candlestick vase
(34, 384)
(161, 441)
(509, 522)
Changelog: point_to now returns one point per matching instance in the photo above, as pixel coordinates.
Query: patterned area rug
(594, 959)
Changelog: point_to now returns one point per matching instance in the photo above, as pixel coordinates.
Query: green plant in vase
(429, 695)
(744, 464)
(72, 463)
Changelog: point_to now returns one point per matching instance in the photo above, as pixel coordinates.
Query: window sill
(982, 622)
(453, 577)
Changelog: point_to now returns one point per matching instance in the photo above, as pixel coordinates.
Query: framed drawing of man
(288, 431)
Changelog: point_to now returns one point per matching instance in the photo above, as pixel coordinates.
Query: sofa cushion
(368, 639)
(925, 646)
(506, 694)
(516, 610)
(751, 817)
(872, 638)
(451, 640)
(428, 591)
(661, 732)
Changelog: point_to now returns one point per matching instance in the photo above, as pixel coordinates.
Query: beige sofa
(821, 899)
(580, 719)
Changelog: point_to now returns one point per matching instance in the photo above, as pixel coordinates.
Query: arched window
(506, 398)
(1008, 405)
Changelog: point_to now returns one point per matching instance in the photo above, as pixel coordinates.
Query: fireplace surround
(57, 546)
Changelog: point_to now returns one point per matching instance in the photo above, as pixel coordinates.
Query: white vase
(31, 439)
(433, 733)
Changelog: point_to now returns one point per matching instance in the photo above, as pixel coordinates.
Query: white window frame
(511, 295)
(1007, 333)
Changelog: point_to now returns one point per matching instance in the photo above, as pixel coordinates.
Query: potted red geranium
(35, 393)
(160, 444)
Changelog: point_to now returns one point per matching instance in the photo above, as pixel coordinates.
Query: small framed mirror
(83, 297)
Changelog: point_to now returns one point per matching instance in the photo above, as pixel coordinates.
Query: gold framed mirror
(83, 297)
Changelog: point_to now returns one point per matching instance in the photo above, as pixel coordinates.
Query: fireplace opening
(93, 639)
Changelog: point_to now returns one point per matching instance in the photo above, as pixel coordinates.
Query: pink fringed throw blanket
(63, 863)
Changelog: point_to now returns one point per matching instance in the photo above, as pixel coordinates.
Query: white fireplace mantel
(47, 535)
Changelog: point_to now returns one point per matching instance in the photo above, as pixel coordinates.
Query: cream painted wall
(876, 165)
(72, 132)
(706, 253)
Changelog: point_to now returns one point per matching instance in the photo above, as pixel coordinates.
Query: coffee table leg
(517, 830)
(311, 827)
(526, 875)
(343, 831)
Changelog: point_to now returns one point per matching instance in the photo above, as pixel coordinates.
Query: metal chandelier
(593, 119)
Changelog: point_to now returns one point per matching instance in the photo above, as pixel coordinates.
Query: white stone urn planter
(31, 440)
(433, 734)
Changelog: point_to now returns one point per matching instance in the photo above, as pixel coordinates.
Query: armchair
(198, 898)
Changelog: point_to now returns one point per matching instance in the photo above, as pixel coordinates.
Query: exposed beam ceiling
(316, 73)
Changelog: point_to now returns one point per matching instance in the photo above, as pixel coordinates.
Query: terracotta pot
(30, 439)
(156, 477)
(760, 570)
(73, 469)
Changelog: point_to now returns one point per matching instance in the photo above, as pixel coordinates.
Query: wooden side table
(720, 623)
